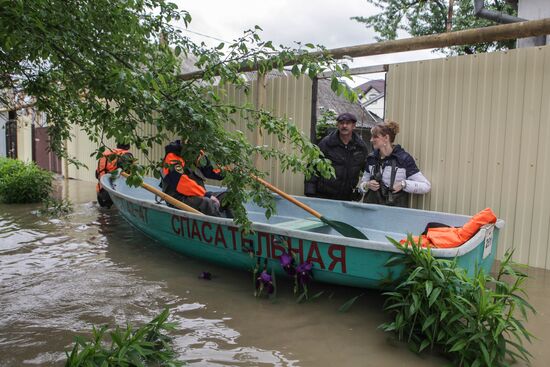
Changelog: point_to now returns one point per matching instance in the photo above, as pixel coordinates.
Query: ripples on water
(58, 277)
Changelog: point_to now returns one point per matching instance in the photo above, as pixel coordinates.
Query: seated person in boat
(347, 153)
(111, 160)
(391, 173)
(186, 184)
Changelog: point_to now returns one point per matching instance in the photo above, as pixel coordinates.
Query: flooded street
(60, 277)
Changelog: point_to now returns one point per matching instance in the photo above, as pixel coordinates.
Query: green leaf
(334, 83)
(485, 354)
(429, 287)
(346, 306)
(458, 346)
(429, 321)
(433, 296)
(423, 345)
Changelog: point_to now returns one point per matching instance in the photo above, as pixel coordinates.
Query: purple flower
(304, 273)
(304, 268)
(265, 277)
(264, 281)
(286, 261)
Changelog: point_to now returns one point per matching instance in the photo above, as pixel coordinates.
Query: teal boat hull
(336, 259)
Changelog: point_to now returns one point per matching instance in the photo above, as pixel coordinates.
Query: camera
(385, 193)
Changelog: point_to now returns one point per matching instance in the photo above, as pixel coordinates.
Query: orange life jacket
(448, 237)
(106, 164)
(186, 185)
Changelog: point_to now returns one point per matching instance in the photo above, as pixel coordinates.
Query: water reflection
(58, 277)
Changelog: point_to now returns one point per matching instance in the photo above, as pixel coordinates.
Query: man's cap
(346, 116)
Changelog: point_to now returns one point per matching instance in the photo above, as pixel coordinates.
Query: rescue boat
(334, 258)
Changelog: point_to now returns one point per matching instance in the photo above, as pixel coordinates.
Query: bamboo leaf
(423, 345)
(429, 321)
(458, 346)
(346, 306)
(485, 353)
(433, 296)
(429, 287)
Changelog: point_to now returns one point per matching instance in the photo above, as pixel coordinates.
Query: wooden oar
(343, 228)
(178, 204)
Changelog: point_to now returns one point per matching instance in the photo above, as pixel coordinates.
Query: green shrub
(145, 346)
(475, 321)
(52, 207)
(22, 182)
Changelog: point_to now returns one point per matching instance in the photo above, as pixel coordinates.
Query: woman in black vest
(391, 173)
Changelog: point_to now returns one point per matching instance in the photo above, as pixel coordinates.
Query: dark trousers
(206, 205)
(104, 199)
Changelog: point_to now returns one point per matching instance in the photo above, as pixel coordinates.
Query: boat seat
(301, 224)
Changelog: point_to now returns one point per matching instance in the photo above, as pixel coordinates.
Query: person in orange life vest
(187, 185)
(111, 160)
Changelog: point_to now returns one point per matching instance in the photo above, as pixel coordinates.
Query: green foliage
(419, 18)
(476, 321)
(98, 64)
(22, 182)
(326, 122)
(52, 207)
(145, 346)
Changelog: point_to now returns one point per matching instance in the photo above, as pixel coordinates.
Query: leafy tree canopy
(425, 17)
(99, 65)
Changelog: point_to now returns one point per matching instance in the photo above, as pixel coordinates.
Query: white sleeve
(417, 184)
(366, 176)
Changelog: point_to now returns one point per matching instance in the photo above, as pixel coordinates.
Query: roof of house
(378, 84)
(328, 100)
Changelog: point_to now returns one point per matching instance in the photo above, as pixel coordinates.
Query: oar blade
(345, 229)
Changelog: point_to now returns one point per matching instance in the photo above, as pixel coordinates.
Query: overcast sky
(325, 22)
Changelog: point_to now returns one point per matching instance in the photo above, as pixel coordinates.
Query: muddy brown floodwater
(58, 277)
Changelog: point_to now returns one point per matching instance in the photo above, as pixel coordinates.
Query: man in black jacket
(348, 154)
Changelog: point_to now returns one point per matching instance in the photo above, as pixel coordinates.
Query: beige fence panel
(288, 97)
(24, 138)
(81, 148)
(479, 127)
(284, 96)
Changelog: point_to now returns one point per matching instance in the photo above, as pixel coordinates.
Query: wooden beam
(358, 71)
(467, 37)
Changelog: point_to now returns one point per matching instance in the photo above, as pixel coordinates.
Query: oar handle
(287, 197)
(178, 204)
